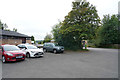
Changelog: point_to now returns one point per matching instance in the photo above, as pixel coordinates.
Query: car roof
(26, 44)
(48, 43)
(7, 45)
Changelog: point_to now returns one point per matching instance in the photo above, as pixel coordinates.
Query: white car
(31, 50)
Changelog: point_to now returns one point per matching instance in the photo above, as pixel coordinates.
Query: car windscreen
(11, 48)
(56, 44)
(31, 47)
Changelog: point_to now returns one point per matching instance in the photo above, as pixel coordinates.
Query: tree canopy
(14, 29)
(109, 33)
(80, 23)
(32, 38)
(48, 38)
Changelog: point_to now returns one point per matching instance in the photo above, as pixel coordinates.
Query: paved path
(0, 70)
(97, 63)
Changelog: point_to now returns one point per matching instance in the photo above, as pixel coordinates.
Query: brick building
(14, 38)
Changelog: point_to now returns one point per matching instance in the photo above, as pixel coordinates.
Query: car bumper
(40, 54)
(14, 58)
(60, 50)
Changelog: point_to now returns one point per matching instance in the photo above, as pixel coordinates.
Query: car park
(53, 47)
(31, 50)
(11, 53)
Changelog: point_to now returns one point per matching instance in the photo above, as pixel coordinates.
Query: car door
(48, 47)
(51, 47)
(0, 52)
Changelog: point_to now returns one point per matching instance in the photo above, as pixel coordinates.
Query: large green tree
(80, 23)
(56, 33)
(108, 33)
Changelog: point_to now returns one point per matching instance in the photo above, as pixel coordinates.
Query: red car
(11, 53)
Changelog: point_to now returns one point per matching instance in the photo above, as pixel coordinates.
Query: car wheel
(28, 55)
(3, 59)
(54, 51)
(44, 50)
(62, 52)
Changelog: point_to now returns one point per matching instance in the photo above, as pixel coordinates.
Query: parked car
(55, 48)
(11, 53)
(39, 45)
(31, 50)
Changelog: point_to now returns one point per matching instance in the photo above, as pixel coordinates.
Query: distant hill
(37, 41)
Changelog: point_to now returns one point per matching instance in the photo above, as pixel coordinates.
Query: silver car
(53, 47)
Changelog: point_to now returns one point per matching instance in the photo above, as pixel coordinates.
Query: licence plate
(19, 57)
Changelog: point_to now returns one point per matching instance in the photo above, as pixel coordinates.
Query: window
(10, 48)
(0, 37)
(28, 38)
(5, 37)
(22, 46)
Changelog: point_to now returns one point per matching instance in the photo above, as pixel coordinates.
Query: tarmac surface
(96, 63)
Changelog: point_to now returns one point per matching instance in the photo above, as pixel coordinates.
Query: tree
(1, 25)
(56, 33)
(48, 38)
(32, 38)
(108, 33)
(4, 26)
(80, 23)
(14, 29)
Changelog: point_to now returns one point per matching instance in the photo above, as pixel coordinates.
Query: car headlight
(58, 48)
(32, 51)
(9, 54)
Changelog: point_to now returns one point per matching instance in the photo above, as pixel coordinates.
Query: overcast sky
(37, 17)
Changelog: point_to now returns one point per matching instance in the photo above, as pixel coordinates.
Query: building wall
(12, 41)
(28, 41)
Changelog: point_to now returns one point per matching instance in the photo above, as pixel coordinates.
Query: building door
(23, 40)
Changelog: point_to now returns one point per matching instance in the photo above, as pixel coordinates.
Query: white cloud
(105, 7)
(36, 17)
